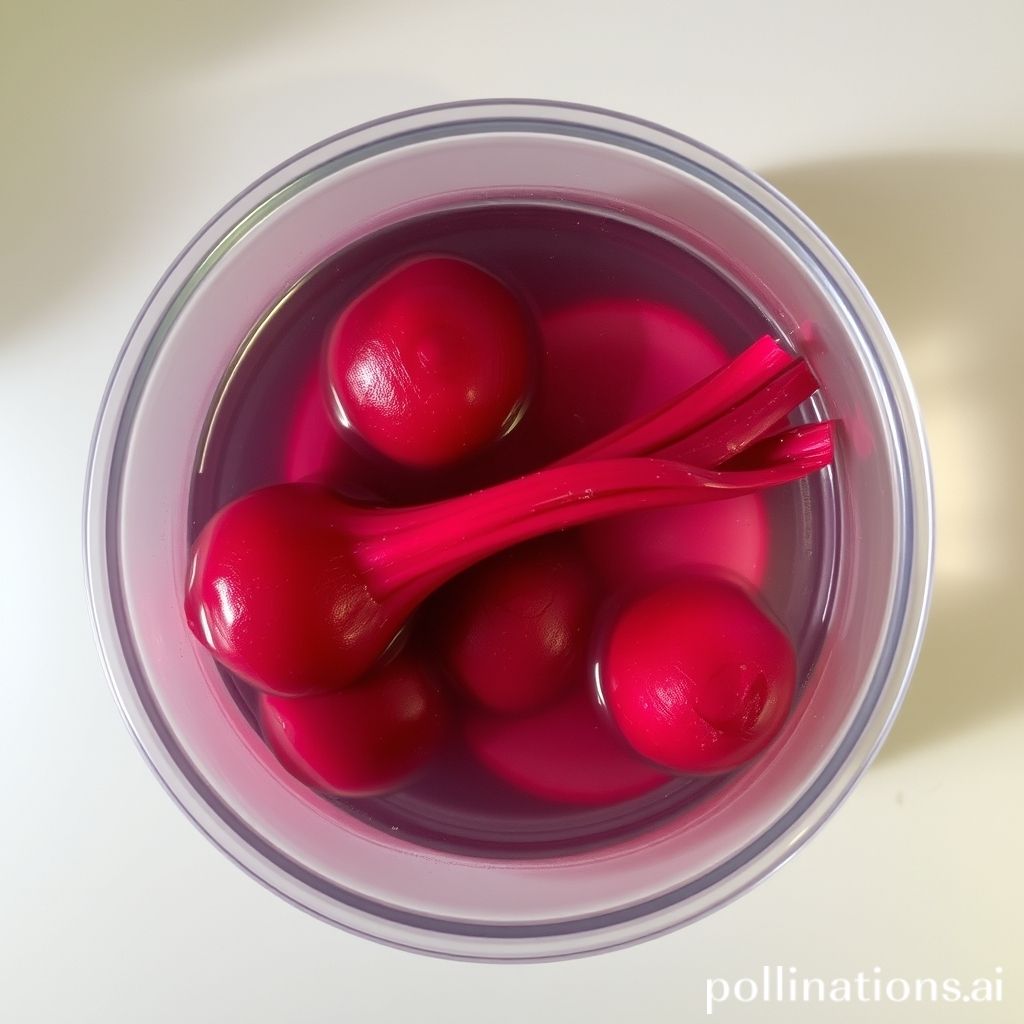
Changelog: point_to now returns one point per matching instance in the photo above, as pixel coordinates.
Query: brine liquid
(627, 319)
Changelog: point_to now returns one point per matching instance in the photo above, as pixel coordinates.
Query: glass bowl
(144, 452)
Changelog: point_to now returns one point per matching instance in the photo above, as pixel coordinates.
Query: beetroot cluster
(374, 635)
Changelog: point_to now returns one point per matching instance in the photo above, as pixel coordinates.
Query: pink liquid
(627, 320)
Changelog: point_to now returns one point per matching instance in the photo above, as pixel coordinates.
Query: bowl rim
(821, 796)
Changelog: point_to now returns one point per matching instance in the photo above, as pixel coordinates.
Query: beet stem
(697, 408)
(423, 551)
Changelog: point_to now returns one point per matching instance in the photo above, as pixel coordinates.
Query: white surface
(899, 127)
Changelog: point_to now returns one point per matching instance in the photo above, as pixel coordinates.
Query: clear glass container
(144, 454)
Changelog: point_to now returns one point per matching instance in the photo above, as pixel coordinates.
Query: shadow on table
(939, 241)
(94, 100)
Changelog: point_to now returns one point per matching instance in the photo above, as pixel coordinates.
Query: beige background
(898, 126)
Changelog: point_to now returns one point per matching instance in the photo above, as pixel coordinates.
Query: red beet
(513, 629)
(368, 739)
(716, 421)
(431, 364)
(610, 360)
(731, 537)
(722, 411)
(312, 449)
(567, 752)
(300, 592)
(581, 397)
(504, 634)
(775, 449)
(697, 676)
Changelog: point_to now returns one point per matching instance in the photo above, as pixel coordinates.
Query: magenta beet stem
(792, 443)
(759, 387)
(413, 547)
(300, 592)
(735, 430)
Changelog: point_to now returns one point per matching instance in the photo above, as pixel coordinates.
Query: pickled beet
(565, 753)
(299, 591)
(368, 739)
(697, 676)
(504, 635)
(629, 357)
(432, 363)
(583, 398)
(513, 630)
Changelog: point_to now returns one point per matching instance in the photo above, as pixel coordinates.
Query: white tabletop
(898, 126)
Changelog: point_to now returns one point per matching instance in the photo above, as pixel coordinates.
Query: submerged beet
(368, 739)
(566, 753)
(512, 631)
(300, 591)
(697, 676)
(507, 634)
(320, 605)
(432, 363)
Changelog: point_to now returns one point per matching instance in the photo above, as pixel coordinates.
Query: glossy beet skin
(369, 739)
(273, 593)
(507, 633)
(697, 676)
(565, 753)
(432, 363)
(513, 630)
(300, 592)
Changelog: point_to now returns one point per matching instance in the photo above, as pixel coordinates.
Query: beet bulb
(698, 677)
(299, 592)
(432, 363)
(513, 629)
(506, 630)
(566, 752)
(369, 739)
